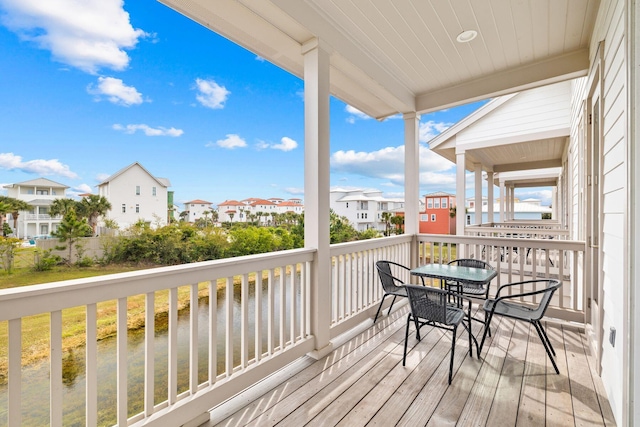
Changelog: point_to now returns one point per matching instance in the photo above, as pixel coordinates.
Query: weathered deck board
(363, 382)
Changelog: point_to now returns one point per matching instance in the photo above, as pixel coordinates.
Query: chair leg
(542, 335)
(546, 337)
(484, 335)
(406, 338)
(379, 308)
(453, 351)
(392, 302)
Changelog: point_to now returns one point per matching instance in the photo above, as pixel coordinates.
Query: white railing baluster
(258, 315)
(213, 331)
(172, 362)
(270, 313)
(122, 357)
(292, 306)
(244, 321)
(283, 304)
(55, 373)
(193, 338)
(149, 351)
(228, 357)
(91, 370)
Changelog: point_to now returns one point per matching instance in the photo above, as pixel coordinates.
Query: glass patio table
(454, 273)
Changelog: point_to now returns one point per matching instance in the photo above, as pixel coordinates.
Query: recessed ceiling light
(466, 36)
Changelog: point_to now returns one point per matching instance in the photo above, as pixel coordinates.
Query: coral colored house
(436, 217)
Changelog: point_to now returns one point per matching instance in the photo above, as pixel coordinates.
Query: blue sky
(90, 87)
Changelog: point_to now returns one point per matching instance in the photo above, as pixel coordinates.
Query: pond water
(35, 380)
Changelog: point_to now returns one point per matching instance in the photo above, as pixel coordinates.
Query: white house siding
(122, 190)
(540, 110)
(610, 28)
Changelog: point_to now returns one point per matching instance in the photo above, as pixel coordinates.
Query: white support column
(503, 204)
(554, 200)
(512, 202)
(490, 197)
(460, 194)
(411, 173)
(316, 188)
(478, 192)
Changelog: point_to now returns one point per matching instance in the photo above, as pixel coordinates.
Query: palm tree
(17, 205)
(214, 216)
(386, 218)
(93, 207)
(62, 206)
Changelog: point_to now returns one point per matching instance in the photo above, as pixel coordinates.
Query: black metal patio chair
(505, 305)
(430, 306)
(391, 284)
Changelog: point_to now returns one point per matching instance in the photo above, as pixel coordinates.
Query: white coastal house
(195, 209)
(363, 207)
(135, 194)
(40, 194)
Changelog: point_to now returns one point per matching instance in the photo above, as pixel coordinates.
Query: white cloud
(388, 163)
(211, 94)
(10, 161)
(148, 130)
(116, 91)
(231, 141)
(286, 144)
(87, 34)
(355, 114)
(430, 129)
(83, 188)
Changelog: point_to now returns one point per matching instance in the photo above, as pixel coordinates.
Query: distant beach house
(436, 216)
(135, 194)
(40, 194)
(196, 209)
(364, 207)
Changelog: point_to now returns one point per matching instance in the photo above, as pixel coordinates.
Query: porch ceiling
(397, 57)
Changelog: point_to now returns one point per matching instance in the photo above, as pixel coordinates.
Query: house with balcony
(136, 195)
(363, 207)
(196, 209)
(320, 357)
(438, 215)
(39, 193)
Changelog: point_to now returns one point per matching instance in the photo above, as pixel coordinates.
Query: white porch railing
(517, 260)
(524, 229)
(270, 326)
(43, 217)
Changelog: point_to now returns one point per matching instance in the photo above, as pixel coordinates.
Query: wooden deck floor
(363, 382)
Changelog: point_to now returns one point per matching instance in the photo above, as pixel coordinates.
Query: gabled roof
(231, 203)
(197, 202)
(164, 182)
(439, 194)
(38, 182)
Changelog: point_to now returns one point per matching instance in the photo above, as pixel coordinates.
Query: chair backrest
(471, 262)
(390, 283)
(428, 303)
(552, 285)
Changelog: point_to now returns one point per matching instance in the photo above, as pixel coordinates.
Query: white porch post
(316, 188)
(554, 200)
(460, 193)
(478, 192)
(512, 202)
(490, 197)
(503, 205)
(411, 173)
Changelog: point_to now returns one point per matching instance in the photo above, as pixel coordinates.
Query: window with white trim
(433, 217)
